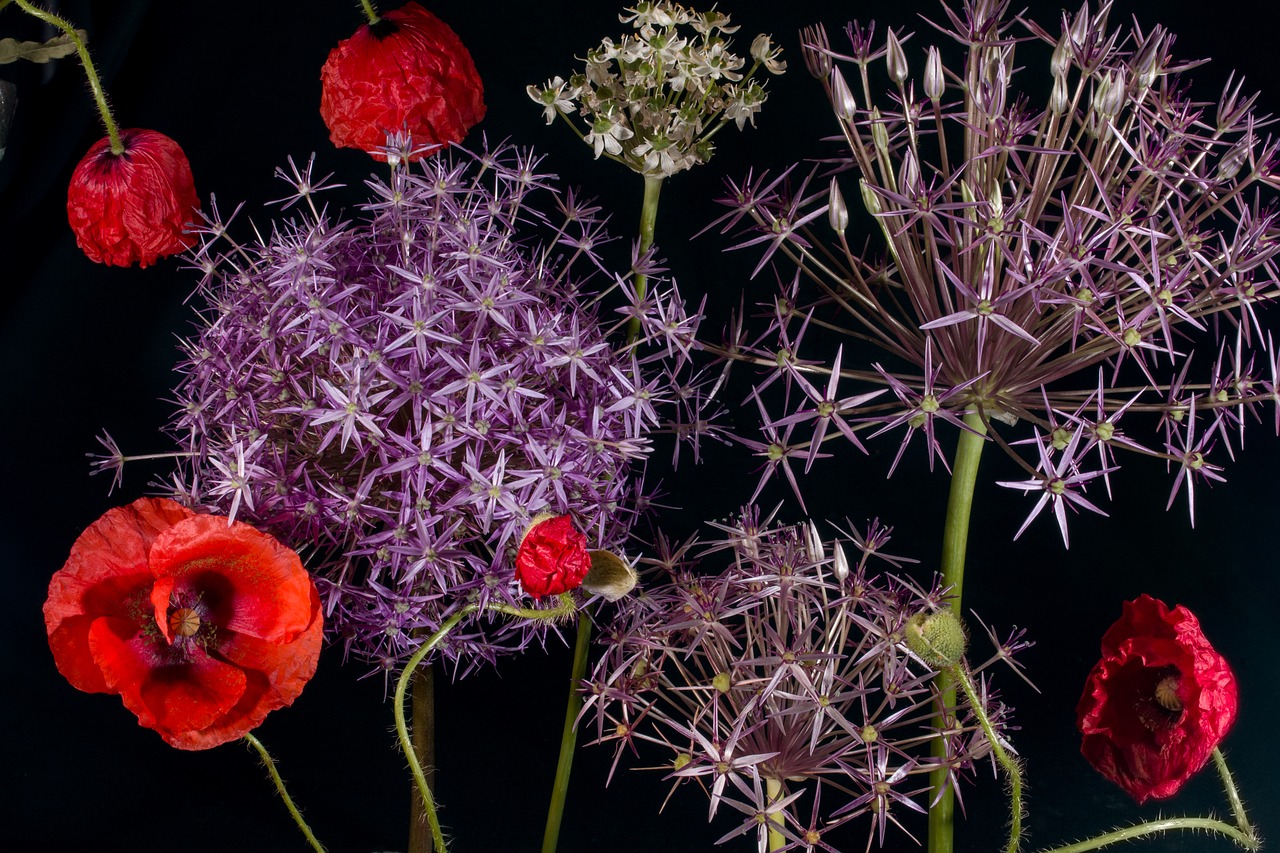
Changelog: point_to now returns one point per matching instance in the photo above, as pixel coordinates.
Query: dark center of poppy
(184, 622)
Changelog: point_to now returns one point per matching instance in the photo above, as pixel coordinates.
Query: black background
(84, 348)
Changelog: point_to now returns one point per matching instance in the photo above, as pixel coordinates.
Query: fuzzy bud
(934, 81)
(896, 59)
(610, 577)
(837, 212)
(938, 637)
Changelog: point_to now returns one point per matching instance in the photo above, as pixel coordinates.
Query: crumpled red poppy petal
(105, 574)
(552, 558)
(249, 581)
(418, 78)
(1149, 747)
(133, 207)
(166, 696)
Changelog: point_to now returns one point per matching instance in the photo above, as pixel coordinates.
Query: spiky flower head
(784, 684)
(1077, 252)
(401, 393)
(653, 100)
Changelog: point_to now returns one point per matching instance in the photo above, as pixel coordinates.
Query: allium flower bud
(837, 212)
(934, 82)
(552, 557)
(842, 97)
(409, 72)
(896, 59)
(133, 207)
(815, 45)
(1059, 101)
(1060, 62)
(1230, 164)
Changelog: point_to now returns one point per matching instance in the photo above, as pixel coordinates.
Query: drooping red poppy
(133, 207)
(1158, 703)
(552, 557)
(407, 73)
(201, 627)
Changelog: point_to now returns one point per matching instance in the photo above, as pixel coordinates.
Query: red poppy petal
(106, 574)
(170, 696)
(250, 583)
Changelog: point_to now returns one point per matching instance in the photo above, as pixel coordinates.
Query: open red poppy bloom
(407, 73)
(552, 558)
(203, 628)
(1158, 703)
(133, 207)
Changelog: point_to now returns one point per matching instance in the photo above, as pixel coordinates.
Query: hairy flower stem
(424, 748)
(1010, 764)
(648, 218)
(564, 608)
(370, 12)
(1245, 840)
(955, 537)
(270, 764)
(91, 73)
(1233, 797)
(569, 736)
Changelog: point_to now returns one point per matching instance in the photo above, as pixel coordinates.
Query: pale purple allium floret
(399, 393)
(782, 686)
(1062, 226)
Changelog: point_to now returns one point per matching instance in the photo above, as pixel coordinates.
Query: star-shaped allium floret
(1057, 481)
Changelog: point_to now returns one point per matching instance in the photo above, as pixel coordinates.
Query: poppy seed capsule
(938, 637)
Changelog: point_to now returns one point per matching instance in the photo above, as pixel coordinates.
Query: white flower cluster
(654, 99)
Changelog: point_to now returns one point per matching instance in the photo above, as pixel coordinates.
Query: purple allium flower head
(400, 393)
(783, 685)
(1064, 231)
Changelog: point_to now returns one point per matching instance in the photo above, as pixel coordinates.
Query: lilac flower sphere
(400, 393)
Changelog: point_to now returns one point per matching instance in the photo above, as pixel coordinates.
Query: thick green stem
(568, 736)
(1010, 764)
(955, 538)
(773, 790)
(563, 609)
(95, 84)
(648, 218)
(422, 702)
(284, 793)
(370, 12)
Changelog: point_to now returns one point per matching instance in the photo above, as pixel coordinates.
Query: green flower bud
(938, 637)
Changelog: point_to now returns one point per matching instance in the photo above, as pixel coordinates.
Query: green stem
(1152, 827)
(1010, 764)
(568, 736)
(284, 793)
(370, 12)
(1233, 797)
(773, 790)
(564, 608)
(648, 218)
(955, 538)
(95, 84)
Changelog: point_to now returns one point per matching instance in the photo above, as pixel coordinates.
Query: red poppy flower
(1158, 703)
(133, 207)
(409, 72)
(202, 627)
(552, 558)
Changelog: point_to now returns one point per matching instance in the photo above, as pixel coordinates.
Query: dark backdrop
(84, 348)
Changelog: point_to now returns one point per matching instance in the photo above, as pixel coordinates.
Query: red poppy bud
(133, 207)
(407, 73)
(552, 558)
(201, 627)
(1158, 703)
